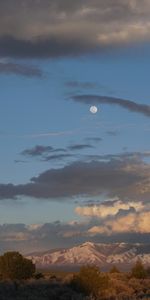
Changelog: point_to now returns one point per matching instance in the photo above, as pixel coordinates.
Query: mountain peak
(88, 244)
(94, 253)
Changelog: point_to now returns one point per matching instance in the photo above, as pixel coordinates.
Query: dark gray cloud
(127, 104)
(80, 147)
(44, 47)
(45, 153)
(42, 237)
(67, 28)
(59, 150)
(48, 153)
(19, 69)
(123, 177)
(38, 150)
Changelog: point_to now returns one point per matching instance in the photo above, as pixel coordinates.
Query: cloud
(47, 47)
(9, 68)
(69, 28)
(38, 150)
(48, 134)
(125, 156)
(131, 228)
(59, 150)
(28, 238)
(13, 233)
(127, 104)
(39, 134)
(120, 176)
(117, 217)
(132, 222)
(80, 147)
(45, 153)
(108, 208)
(58, 156)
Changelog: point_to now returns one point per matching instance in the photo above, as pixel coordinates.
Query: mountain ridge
(99, 254)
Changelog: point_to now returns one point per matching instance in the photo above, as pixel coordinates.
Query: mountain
(94, 253)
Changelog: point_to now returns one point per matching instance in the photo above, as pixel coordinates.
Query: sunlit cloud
(132, 223)
(108, 209)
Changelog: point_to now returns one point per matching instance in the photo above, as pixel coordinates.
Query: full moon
(93, 109)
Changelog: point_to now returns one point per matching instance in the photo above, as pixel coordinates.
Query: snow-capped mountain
(94, 253)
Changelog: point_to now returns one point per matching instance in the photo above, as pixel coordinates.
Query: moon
(93, 109)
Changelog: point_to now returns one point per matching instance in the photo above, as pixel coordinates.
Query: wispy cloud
(40, 134)
(38, 150)
(58, 156)
(9, 68)
(132, 106)
(46, 153)
(80, 147)
(47, 134)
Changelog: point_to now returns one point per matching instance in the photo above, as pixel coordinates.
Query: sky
(67, 175)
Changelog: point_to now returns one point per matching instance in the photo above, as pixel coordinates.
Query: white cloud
(104, 210)
(131, 223)
(33, 227)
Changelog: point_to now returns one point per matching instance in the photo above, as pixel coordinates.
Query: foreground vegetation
(20, 281)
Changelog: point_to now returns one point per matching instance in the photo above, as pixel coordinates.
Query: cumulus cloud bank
(63, 28)
(129, 226)
(114, 177)
(125, 216)
(111, 209)
(123, 176)
(130, 223)
(117, 217)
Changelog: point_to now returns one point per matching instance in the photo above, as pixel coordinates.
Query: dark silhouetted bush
(38, 275)
(90, 281)
(14, 266)
(114, 269)
(138, 270)
(148, 271)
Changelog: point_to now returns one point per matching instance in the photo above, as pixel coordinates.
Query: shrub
(114, 269)
(148, 271)
(138, 270)
(38, 275)
(90, 281)
(14, 266)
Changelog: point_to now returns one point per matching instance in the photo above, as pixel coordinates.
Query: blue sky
(52, 147)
